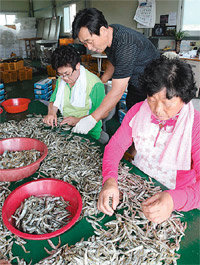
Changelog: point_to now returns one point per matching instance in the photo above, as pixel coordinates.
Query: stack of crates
(12, 71)
(51, 71)
(43, 89)
(2, 93)
(122, 107)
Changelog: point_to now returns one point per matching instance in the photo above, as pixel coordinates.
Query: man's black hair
(173, 74)
(91, 18)
(65, 56)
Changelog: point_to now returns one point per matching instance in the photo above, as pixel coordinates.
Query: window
(190, 17)
(7, 19)
(69, 14)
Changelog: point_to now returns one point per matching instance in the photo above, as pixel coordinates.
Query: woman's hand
(109, 190)
(50, 119)
(159, 207)
(72, 121)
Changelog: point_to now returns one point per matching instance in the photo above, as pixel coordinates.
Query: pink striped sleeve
(186, 195)
(118, 145)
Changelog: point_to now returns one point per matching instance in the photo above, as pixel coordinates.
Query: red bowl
(19, 144)
(16, 105)
(41, 187)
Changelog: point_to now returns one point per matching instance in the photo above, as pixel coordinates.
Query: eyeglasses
(65, 75)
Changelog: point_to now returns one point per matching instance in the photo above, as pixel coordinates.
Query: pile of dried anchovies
(131, 238)
(41, 215)
(15, 159)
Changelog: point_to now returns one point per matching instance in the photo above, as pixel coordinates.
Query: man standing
(128, 53)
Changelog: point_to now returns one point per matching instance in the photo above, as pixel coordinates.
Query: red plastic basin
(41, 187)
(1, 110)
(19, 144)
(16, 105)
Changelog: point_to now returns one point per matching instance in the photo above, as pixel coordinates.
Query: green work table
(189, 246)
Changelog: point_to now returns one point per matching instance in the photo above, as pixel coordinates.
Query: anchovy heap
(130, 238)
(15, 159)
(41, 215)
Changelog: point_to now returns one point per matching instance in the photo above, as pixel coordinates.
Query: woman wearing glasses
(78, 92)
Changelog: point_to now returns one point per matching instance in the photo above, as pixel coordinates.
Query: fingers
(110, 190)
(103, 206)
(50, 120)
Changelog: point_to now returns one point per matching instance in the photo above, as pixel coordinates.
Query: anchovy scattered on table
(130, 238)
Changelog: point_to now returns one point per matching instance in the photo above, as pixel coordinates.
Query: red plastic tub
(16, 105)
(19, 144)
(42, 187)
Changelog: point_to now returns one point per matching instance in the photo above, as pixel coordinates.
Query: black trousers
(133, 96)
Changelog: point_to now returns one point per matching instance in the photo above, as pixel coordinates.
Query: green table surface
(189, 246)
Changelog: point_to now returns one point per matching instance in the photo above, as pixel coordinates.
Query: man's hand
(50, 119)
(72, 121)
(109, 190)
(85, 125)
(159, 207)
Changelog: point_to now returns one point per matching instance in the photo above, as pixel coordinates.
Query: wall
(118, 12)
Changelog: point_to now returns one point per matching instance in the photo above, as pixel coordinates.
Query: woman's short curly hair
(173, 74)
(65, 56)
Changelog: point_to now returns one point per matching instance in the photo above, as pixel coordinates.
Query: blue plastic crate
(1, 85)
(44, 96)
(122, 104)
(121, 114)
(43, 84)
(2, 97)
(2, 91)
(42, 91)
(124, 96)
(2, 101)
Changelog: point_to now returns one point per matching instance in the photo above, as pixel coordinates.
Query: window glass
(2, 20)
(69, 14)
(190, 18)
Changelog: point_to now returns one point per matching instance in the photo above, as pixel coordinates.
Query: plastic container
(16, 105)
(44, 83)
(121, 114)
(6, 76)
(28, 73)
(42, 187)
(13, 76)
(19, 144)
(44, 96)
(22, 74)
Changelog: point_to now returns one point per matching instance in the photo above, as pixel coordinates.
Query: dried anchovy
(41, 215)
(15, 159)
(72, 158)
(131, 238)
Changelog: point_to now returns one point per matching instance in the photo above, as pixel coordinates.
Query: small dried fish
(16, 159)
(41, 215)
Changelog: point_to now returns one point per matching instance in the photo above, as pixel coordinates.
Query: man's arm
(111, 99)
(86, 124)
(108, 73)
